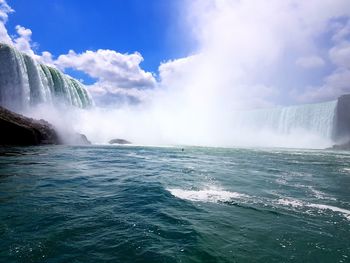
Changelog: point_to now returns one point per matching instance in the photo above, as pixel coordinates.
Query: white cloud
(310, 62)
(24, 39)
(105, 93)
(174, 70)
(123, 70)
(335, 85)
(47, 59)
(119, 76)
(341, 31)
(241, 45)
(113, 71)
(338, 81)
(5, 9)
(340, 54)
(244, 46)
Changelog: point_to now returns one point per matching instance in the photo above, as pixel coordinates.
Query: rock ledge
(16, 129)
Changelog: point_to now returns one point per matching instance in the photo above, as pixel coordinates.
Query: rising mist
(245, 55)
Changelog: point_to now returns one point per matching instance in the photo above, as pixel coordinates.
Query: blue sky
(244, 53)
(150, 27)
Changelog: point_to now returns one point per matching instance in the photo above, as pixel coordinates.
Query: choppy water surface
(144, 204)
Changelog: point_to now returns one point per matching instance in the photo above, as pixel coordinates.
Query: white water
(307, 126)
(30, 87)
(312, 118)
(321, 207)
(212, 195)
(218, 195)
(24, 83)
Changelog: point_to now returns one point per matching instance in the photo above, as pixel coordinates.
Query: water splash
(24, 83)
(212, 195)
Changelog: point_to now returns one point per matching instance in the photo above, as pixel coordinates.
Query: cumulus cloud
(109, 66)
(310, 62)
(338, 81)
(341, 30)
(24, 39)
(335, 85)
(5, 10)
(242, 48)
(245, 54)
(340, 54)
(115, 72)
(119, 76)
(174, 70)
(107, 93)
(245, 58)
(47, 58)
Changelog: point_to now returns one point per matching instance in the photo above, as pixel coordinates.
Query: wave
(343, 211)
(346, 170)
(138, 145)
(212, 195)
(301, 204)
(217, 195)
(311, 189)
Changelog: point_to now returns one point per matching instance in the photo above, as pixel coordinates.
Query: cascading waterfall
(316, 118)
(24, 82)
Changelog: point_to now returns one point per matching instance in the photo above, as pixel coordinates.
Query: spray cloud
(246, 54)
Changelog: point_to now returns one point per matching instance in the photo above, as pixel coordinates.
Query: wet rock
(343, 146)
(119, 141)
(16, 129)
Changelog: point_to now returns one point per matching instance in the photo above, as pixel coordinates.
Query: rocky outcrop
(79, 139)
(119, 141)
(342, 119)
(16, 129)
(83, 139)
(343, 146)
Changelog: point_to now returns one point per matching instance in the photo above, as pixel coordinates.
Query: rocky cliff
(16, 129)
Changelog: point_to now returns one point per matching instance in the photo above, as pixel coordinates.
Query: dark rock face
(342, 119)
(80, 139)
(344, 146)
(84, 139)
(16, 129)
(119, 141)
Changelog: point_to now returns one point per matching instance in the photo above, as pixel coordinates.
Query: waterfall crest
(316, 118)
(24, 83)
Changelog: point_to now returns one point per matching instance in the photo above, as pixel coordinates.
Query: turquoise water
(148, 204)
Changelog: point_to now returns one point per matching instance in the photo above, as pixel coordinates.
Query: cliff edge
(16, 129)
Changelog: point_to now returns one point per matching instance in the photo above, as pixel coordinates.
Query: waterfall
(316, 118)
(24, 82)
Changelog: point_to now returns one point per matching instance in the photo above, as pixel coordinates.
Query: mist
(242, 52)
(152, 127)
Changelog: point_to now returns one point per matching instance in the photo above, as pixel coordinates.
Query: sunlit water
(148, 204)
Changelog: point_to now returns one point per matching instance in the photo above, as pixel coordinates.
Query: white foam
(347, 170)
(321, 195)
(212, 195)
(297, 203)
(290, 202)
(345, 212)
